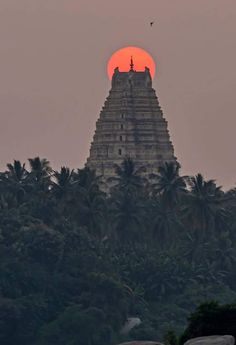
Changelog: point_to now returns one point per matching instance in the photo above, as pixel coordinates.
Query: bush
(73, 325)
(210, 319)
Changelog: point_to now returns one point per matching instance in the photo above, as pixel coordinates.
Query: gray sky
(53, 82)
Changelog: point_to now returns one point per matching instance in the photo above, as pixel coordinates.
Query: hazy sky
(53, 81)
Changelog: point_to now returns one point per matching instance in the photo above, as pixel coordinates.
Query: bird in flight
(151, 23)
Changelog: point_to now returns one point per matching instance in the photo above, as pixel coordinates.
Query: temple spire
(131, 124)
(131, 63)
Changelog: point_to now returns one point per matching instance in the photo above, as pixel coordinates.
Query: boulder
(212, 340)
(142, 343)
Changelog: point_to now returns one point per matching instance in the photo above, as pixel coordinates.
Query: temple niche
(131, 124)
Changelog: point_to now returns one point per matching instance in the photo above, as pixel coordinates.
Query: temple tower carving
(131, 124)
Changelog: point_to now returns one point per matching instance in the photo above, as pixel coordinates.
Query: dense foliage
(211, 318)
(76, 261)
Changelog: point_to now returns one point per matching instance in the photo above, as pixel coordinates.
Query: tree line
(77, 258)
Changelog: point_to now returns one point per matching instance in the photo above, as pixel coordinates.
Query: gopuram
(131, 124)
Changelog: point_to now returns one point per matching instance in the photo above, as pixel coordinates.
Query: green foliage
(210, 319)
(143, 332)
(89, 326)
(170, 338)
(75, 262)
(9, 316)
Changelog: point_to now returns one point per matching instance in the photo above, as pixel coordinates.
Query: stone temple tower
(131, 124)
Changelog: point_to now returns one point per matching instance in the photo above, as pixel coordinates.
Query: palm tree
(17, 172)
(127, 214)
(40, 172)
(86, 178)
(165, 224)
(14, 180)
(202, 204)
(88, 202)
(63, 181)
(91, 211)
(169, 184)
(128, 177)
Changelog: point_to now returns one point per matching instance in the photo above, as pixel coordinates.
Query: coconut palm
(40, 173)
(203, 204)
(91, 211)
(128, 216)
(63, 181)
(14, 180)
(17, 172)
(164, 223)
(86, 178)
(87, 202)
(128, 177)
(169, 184)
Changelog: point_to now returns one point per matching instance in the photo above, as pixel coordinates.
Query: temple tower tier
(131, 124)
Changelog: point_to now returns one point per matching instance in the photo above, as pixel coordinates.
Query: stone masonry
(131, 124)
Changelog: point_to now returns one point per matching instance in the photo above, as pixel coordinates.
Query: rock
(130, 324)
(141, 343)
(212, 340)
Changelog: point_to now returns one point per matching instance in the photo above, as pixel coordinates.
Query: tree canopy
(76, 261)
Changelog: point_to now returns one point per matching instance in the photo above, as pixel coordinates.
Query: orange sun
(121, 58)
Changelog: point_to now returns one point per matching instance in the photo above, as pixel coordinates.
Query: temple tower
(131, 124)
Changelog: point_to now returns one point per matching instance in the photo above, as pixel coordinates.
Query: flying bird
(151, 23)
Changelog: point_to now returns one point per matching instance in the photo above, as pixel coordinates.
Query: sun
(121, 59)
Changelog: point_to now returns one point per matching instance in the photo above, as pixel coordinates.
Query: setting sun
(121, 59)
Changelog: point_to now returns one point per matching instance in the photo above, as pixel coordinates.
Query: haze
(53, 83)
